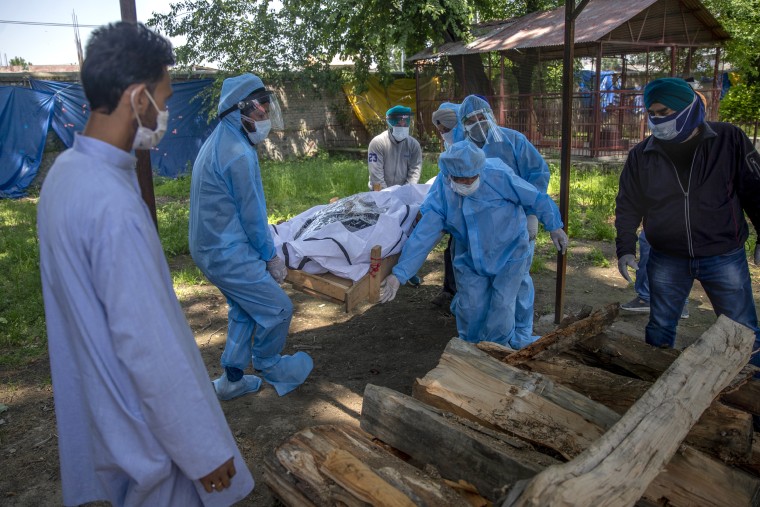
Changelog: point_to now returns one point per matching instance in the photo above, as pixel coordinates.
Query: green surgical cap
(672, 92)
(398, 110)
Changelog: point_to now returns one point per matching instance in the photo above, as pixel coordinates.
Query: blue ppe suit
(230, 240)
(519, 154)
(491, 247)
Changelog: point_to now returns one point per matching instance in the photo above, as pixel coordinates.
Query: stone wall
(314, 120)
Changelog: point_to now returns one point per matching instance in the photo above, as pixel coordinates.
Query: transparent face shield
(481, 127)
(261, 107)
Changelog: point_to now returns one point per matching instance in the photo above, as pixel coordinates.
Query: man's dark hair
(119, 55)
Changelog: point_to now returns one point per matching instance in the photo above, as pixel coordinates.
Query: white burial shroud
(338, 237)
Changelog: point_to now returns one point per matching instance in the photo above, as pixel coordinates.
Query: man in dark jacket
(690, 182)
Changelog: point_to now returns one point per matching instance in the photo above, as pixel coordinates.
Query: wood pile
(581, 417)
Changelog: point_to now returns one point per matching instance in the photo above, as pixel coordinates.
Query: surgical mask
(448, 138)
(478, 131)
(146, 138)
(400, 133)
(464, 190)
(262, 130)
(677, 127)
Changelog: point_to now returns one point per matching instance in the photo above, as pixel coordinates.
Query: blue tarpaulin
(26, 115)
(71, 108)
(24, 120)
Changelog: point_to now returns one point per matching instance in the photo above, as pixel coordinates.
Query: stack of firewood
(581, 417)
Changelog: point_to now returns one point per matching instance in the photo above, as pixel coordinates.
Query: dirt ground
(388, 345)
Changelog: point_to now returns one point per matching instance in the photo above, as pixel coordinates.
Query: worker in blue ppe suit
(445, 122)
(479, 126)
(482, 204)
(231, 243)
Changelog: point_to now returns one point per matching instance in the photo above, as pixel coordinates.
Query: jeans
(725, 279)
(641, 285)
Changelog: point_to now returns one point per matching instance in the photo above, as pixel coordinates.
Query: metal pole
(564, 183)
(144, 170)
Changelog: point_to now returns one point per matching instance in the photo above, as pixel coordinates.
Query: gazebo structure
(625, 44)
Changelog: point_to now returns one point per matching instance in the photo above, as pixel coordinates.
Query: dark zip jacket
(701, 217)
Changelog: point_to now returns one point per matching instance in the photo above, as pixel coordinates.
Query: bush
(741, 104)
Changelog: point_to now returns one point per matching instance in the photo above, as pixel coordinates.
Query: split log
(563, 338)
(469, 383)
(470, 452)
(340, 465)
(473, 385)
(721, 431)
(631, 356)
(617, 469)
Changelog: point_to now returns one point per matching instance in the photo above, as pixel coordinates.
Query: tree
(17, 61)
(741, 18)
(244, 35)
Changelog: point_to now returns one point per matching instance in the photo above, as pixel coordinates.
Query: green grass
(290, 187)
(22, 319)
(592, 202)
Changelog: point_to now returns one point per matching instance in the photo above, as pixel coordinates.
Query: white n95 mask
(400, 133)
(262, 130)
(448, 138)
(146, 138)
(465, 190)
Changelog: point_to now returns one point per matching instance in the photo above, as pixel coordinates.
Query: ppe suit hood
(462, 160)
(235, 89)
(470, 104)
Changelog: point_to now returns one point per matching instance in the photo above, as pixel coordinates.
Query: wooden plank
(617, 469)
(303, 455)
(471, 384)
(721, 431)
(357, 293)
(316, 294)
(564, 338)
(470, 452)
(361, 481)
(326, 283)
(375, 262)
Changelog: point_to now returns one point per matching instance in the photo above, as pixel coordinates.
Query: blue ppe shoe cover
(226, 390)
(289, 373)
(414, 281)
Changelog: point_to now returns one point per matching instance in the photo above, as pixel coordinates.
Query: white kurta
(138, 420)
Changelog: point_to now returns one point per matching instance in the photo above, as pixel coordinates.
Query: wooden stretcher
(344, 291)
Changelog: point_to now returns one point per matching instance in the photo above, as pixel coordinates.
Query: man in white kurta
(138, 420)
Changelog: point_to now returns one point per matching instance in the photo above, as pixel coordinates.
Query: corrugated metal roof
(632, 23)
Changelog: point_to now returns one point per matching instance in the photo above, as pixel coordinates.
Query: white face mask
(400, 133)
(146, 138)
(448, 138)
(262, 130)
(668, 129)
(478, 131)
(464, 190)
